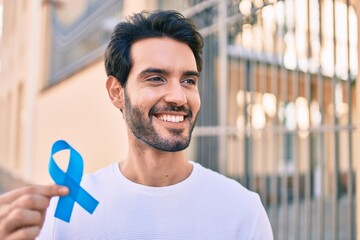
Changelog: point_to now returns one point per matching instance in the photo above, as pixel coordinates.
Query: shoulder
(102, 176)
(239, 205)
(223, 186)
(214, 179)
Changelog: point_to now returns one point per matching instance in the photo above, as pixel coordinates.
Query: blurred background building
(278, 95)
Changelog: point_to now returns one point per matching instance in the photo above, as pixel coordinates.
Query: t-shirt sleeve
(47, 231)
(261, 229)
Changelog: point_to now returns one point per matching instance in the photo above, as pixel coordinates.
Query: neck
(151, 167)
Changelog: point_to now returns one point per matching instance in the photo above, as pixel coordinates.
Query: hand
(22, 211)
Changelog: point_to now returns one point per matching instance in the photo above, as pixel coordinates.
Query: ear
(115, 91)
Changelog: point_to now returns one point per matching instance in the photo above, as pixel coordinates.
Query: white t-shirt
(206, 206)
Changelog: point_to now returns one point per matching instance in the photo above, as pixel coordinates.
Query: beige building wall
(19, 76)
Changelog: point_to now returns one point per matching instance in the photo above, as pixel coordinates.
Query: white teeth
(171, 118)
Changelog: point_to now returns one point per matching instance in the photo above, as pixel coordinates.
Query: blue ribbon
(71, 178)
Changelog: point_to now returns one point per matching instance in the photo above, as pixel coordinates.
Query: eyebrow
(165, 72)
(191, 73)
(147, 71)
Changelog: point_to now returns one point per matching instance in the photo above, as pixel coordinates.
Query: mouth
(170, 118)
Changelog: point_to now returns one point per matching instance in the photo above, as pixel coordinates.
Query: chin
(172, 147)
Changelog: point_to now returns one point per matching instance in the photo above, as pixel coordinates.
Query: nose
(175, 94)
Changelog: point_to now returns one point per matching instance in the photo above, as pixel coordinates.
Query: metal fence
(277, 102)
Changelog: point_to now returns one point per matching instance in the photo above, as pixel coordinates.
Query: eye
(189, 81)
(155, 79)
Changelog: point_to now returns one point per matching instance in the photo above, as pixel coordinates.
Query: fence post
(357, 132)
(222, 29)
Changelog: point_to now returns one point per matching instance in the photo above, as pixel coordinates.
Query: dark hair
(143, 25)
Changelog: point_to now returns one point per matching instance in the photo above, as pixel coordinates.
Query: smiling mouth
(171, 118)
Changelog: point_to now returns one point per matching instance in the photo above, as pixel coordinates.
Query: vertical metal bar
(207, 139)
(223, 62)
(264, 135)
(275, 174)
(284, 175)
(263, 166)
(295, 135)
(247, 151)
(321, 158)
(296, 174)
(241, 84)
(335, 181)
(275, 136)
(253, 69)
(309, 170)
(350, 184)
(265, 145)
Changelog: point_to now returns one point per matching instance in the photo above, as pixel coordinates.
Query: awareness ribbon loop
(71, 179)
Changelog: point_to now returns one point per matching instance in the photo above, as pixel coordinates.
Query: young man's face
(161, 94)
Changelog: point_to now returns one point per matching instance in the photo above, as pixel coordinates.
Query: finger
(4, 211)
(25, 233)
(43, 216)
(34, 202)
(48, 191)
(20, 218)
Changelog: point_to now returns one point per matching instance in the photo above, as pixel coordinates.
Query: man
(153, 63)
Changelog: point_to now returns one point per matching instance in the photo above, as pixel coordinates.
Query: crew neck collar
(155, 190)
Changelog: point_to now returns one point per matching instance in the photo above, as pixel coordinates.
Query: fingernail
(63, 190)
